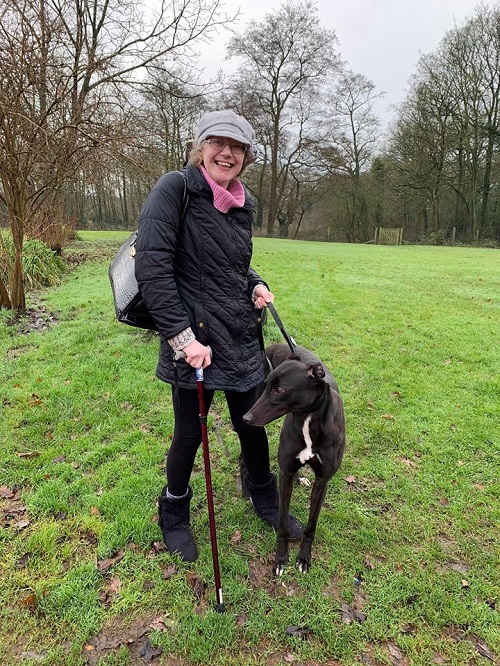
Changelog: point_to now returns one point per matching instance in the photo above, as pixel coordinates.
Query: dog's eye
(279, 390)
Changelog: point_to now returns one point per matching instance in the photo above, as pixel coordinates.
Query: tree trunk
(273, 194)
(18, 296)
(487, 179)
(5, 301)
(15, 213)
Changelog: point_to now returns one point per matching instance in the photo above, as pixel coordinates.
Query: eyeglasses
(220, 144)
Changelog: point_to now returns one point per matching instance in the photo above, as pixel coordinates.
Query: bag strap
(185, 204)
(185, 196)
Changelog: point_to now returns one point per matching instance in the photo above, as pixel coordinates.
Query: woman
(195, 277)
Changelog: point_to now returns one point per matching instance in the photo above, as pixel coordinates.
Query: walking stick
(219, 603)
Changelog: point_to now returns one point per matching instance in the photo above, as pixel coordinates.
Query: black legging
(187, 436)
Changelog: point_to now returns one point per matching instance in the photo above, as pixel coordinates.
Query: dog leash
(279, 323)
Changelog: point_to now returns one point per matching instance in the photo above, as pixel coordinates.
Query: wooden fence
(388, 236)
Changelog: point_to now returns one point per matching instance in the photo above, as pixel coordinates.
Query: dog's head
(293, 386)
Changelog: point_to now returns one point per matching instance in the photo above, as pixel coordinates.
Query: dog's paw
(280, 562)
(303, 565)
(279, 569)
(304, 556)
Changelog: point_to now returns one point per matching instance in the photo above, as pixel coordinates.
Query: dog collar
(319, 402)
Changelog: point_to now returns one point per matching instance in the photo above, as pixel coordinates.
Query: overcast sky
(381, 39)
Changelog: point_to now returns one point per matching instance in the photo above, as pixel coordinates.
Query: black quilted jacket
(196, 272)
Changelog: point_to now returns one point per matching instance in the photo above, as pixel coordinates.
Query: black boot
(265, 500)
(173, 519)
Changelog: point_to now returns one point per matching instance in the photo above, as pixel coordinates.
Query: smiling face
(223, 159)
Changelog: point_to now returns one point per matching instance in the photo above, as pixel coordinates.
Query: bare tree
(355, 132)
(285, 54)
(446, 138)
(66, 67)
(173, 101)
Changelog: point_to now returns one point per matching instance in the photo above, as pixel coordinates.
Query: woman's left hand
(262, 296)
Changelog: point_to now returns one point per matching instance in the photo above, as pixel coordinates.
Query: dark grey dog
(313, 433)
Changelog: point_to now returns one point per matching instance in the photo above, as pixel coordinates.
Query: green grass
(41, 266)
(409, 532)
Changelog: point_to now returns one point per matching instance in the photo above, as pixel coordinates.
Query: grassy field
(407, 555)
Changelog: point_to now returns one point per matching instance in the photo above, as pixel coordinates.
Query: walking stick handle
(180, 353)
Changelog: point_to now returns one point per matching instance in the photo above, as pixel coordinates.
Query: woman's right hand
(197, 355)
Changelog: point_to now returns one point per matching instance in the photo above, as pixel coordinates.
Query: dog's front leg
(281, 558)
(317, 499)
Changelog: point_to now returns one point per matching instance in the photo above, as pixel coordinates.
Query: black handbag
(129, 305)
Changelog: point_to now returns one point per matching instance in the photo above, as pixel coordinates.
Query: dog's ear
(315, 372)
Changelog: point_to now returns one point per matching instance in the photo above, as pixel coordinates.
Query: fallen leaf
(115, 585)
(29, 454)
(482, 647)
(157, 546)
(23, 560)
(236, 537)
(300, 632)
(162, 623)
(369, 564)
(465, 583)
(304, 482)
(408, 463)
(148, 585)
(168, 571)
(29, 601)
(350, 479)
(241, 619)
(389, 417)
(6, 493)
(148, 652)
(290, 590)
(395, 652)
(21, 524)
(196, 584)
(349, 614)
(107, 563)
(94, 511)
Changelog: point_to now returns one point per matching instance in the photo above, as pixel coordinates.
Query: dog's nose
(248, 417)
